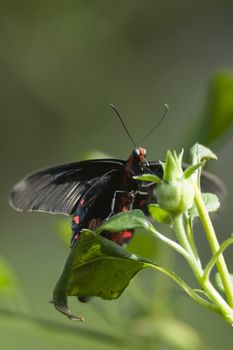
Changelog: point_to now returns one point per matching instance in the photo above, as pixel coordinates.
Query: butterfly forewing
(58, 189)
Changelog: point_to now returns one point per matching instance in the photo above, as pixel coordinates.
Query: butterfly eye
(136, 153)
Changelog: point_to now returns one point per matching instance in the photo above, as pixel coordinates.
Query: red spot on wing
(126, 234)
(121, 237)
(76, 237)
(125, 209)
(76, 219)
(82, 201)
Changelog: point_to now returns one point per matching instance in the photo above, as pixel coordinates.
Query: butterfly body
(112, 193)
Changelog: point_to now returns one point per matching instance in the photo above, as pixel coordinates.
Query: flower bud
(175, 197)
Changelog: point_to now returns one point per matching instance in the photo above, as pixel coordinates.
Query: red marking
(126, 234)
(142, 202)
(76, 219)
(121, 236)
(76, 237)
(125, 209)
(142, 153)
(82, 201)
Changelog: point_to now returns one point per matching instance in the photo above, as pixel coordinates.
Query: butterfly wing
(58, 189)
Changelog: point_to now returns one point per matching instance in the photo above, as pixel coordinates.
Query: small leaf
(148, 177)
(191, 169)
(211, 202)
(124, 221)
(159, 214)
(199, 153)
(219, 283)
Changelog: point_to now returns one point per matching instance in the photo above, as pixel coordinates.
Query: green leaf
(211, 202)
(218, 117)
(124, 221)
(200, 153)
(191, 169)
(149, 178)
(158, 214)
(219, 283)
(95, 267)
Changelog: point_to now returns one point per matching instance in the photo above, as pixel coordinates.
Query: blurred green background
(61, 64)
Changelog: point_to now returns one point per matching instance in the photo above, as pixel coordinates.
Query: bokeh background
(61, 64)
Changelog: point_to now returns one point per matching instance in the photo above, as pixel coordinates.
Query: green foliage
(159, 214)
(8, 280)
(123, 221)
(200, 153)
(219, 112)
(97, 266)
(219, 281)
(211, 202)
(151, 324)
(217, 117)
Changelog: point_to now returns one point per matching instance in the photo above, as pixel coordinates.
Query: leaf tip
(63, 308)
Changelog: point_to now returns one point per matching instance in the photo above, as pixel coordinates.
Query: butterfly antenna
(157, 124)
(122, 122)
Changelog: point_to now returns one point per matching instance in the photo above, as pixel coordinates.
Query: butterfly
(91, 191)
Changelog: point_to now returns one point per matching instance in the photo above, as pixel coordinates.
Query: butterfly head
(137, 161)
(139, 154)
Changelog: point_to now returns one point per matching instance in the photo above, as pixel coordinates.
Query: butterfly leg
(122, 201)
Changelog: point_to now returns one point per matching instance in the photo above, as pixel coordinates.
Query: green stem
(183, 240)
(214, 244)
(186, 288)
(194, 263)
(190, 236)
(169, 242)
(214, 258)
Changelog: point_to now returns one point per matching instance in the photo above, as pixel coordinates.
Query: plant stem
(183, 240)
(195, 265)
(214, 244)
(188, 227)
(169, 242)
(214, 258)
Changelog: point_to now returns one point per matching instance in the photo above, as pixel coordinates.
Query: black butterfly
(89, 190)
(93, 190)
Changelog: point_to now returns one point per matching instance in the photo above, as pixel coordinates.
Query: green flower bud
(175, 197)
